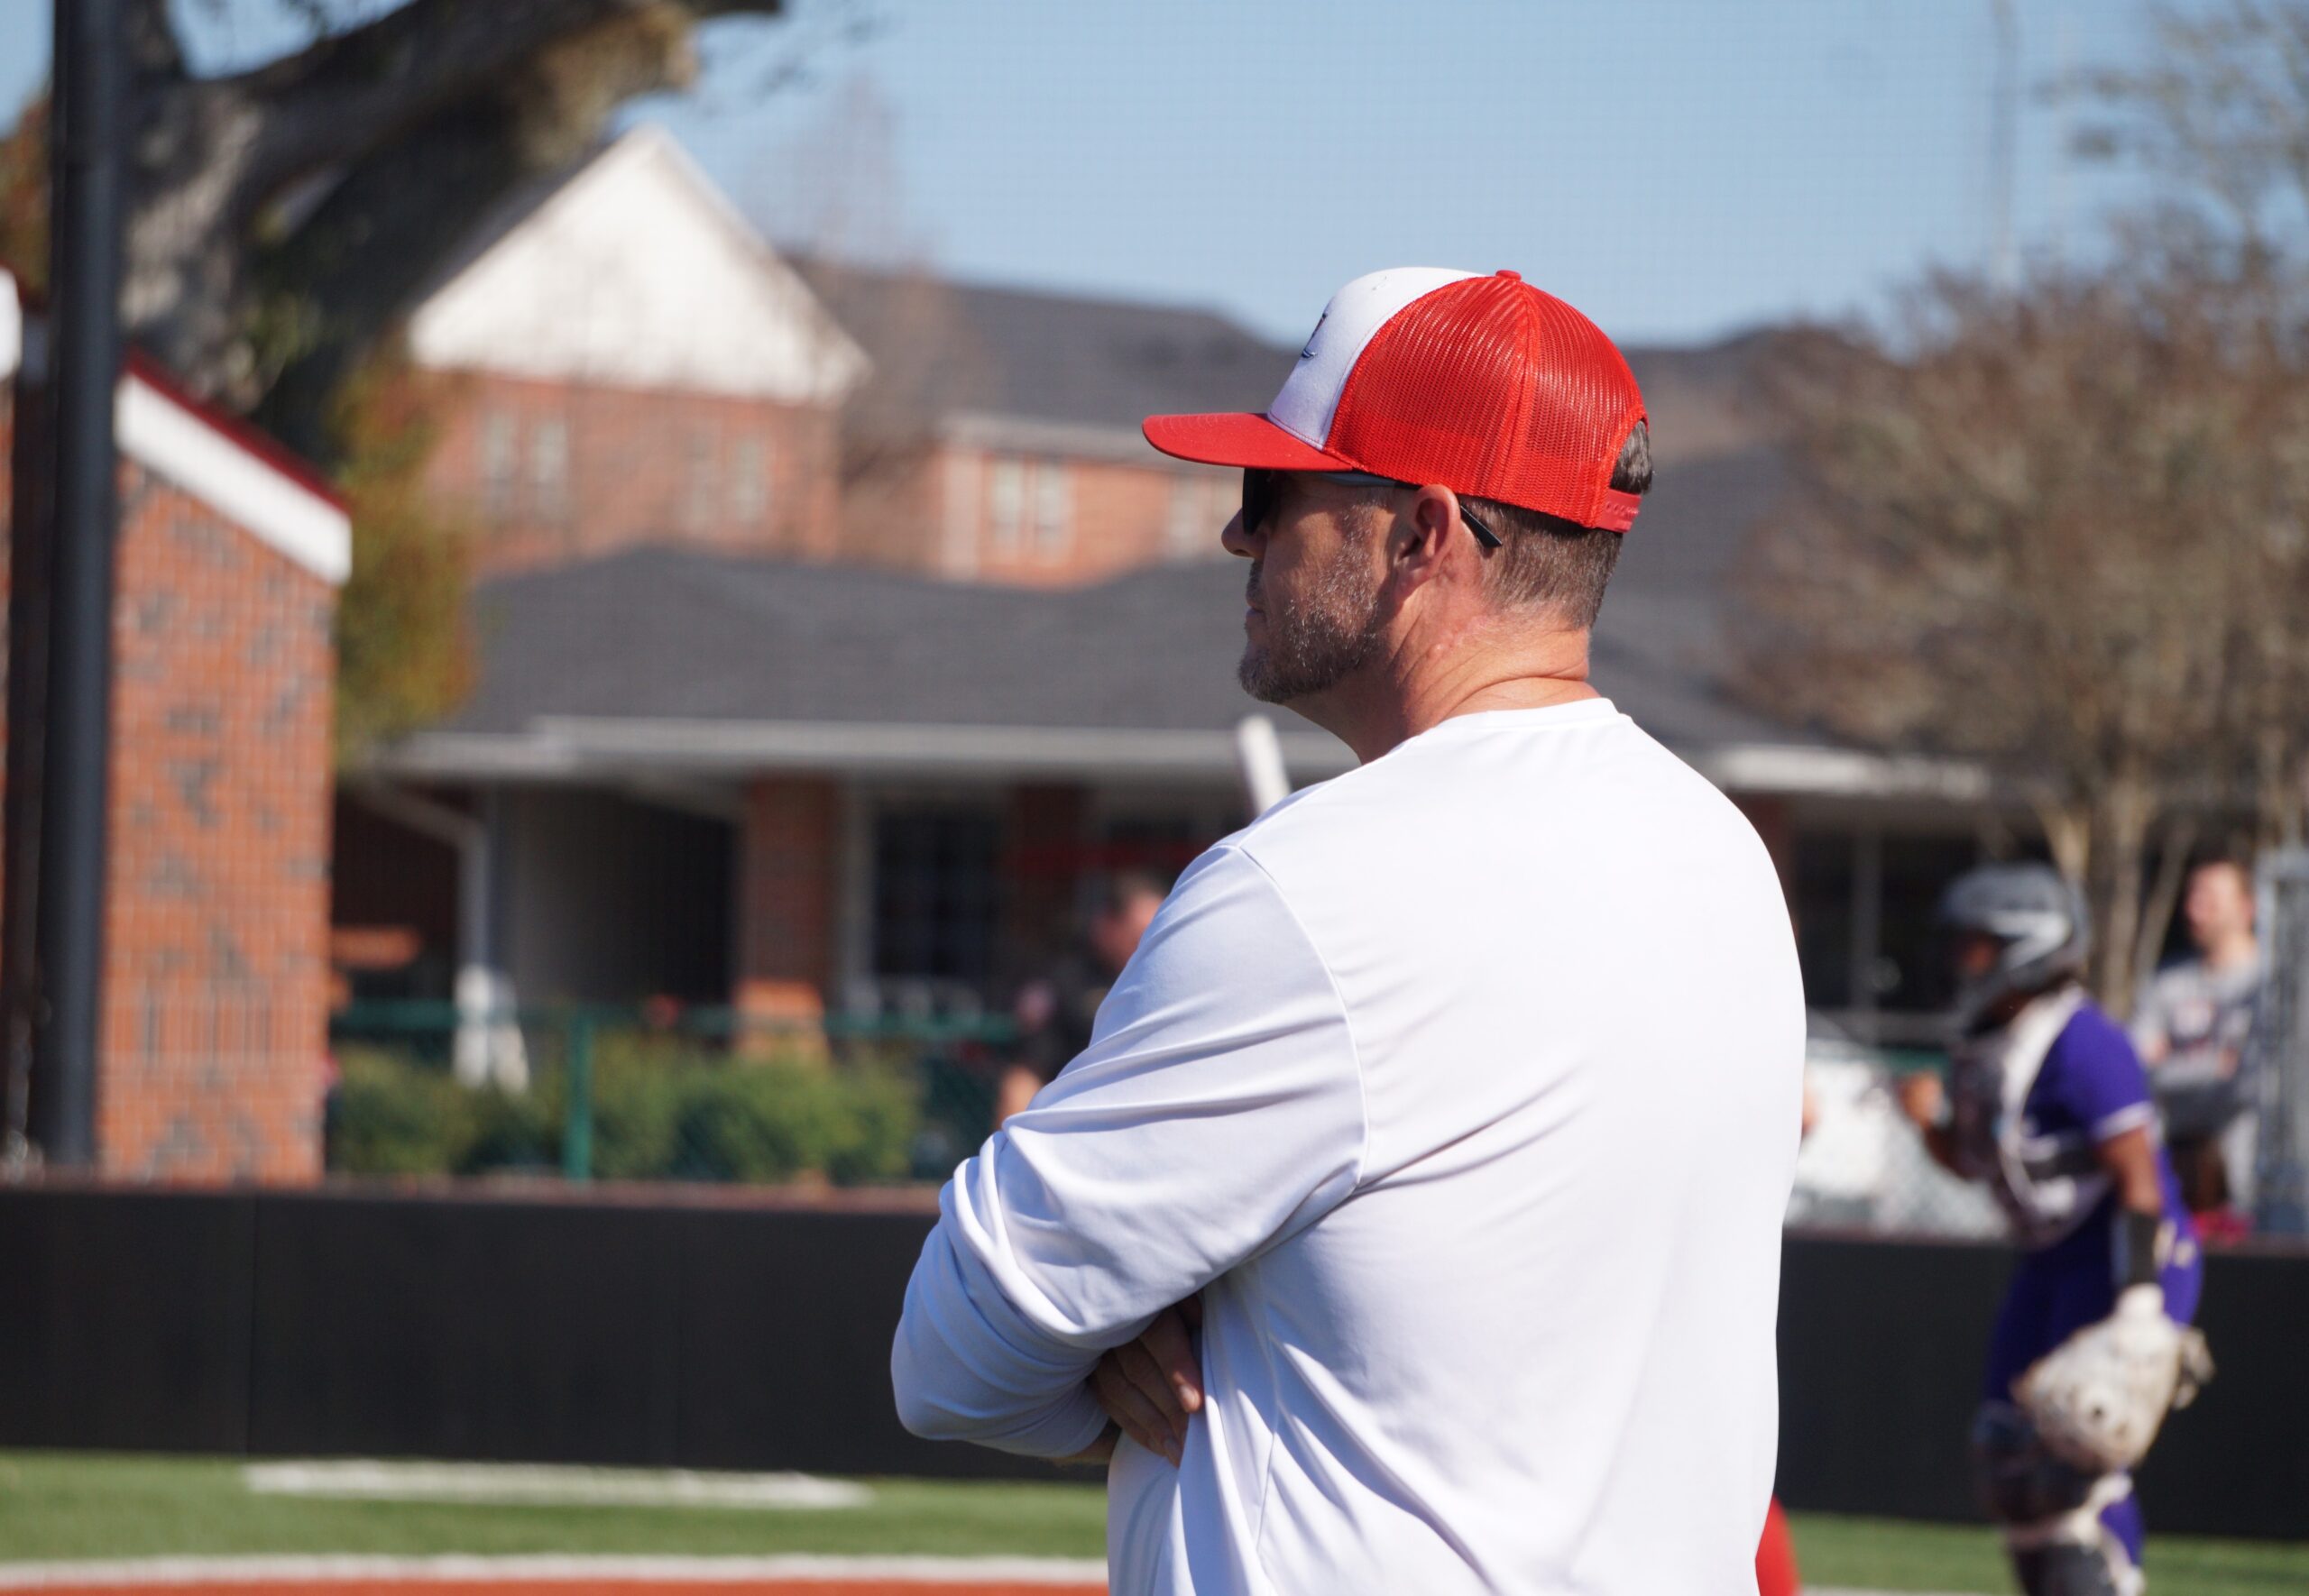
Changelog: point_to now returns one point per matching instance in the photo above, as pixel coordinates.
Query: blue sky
(1679, 168)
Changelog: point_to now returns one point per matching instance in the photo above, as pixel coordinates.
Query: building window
(1006, 503)
(960, 549)
(1054, 507)
(749, 482)
(1201, 508)
(936, 894)
(1186, 515)
(499, 460)
(698, 495)
(549, 469)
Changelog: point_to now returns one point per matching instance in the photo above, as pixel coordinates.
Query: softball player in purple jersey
(2047, 1102)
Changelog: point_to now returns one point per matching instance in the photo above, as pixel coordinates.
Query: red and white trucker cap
(1482, 384)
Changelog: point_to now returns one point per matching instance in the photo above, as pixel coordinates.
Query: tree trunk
(2174, 846)
(2122, 812)
(219, 283)
(2068, 831)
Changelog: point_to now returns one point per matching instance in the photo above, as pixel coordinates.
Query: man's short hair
(1545, 560)
(1120, 889)
(2228, 860)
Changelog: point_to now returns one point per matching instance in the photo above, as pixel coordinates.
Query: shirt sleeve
(1218, 1110)
(2100, 1082)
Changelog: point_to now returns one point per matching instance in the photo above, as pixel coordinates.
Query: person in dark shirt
(1055, 1013)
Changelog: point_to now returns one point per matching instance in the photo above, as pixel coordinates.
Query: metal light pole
(89, 135)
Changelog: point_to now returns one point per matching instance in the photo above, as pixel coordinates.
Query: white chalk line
(162, 1572)
(548, 1484)
(277, 1570)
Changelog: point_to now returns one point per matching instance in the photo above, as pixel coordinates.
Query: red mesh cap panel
(1494, 389)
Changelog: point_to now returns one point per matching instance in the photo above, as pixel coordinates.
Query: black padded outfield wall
(317, 1325)
(1881, 1349)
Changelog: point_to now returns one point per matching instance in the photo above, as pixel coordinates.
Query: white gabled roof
(249, 480)
(638, 272)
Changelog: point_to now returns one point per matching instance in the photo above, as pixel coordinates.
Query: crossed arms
(1217, 1111)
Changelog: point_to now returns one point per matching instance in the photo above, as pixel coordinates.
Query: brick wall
(552, 472)
(1033, 521)
(788, 857)
(893, 515)
(215, 1026)
(1044, 520)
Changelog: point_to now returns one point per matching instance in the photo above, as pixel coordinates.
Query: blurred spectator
(1055, 1013)
(2195, 1029)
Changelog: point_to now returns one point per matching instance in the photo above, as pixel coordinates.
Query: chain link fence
(699, 1094)
(1862, 1166)
(2281, 1076)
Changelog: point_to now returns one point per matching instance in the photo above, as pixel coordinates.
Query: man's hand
(1151, 1387)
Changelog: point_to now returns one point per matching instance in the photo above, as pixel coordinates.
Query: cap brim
(1236, 438)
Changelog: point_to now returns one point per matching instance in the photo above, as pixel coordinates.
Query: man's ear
(1421, 537)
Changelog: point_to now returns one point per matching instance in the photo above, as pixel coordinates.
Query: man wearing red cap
(1454, 1102)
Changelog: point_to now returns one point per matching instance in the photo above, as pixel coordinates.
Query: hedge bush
(660, 1112)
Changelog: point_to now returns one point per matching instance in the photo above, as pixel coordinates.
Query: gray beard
(1316, 643)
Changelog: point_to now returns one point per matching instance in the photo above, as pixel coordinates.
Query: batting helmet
(2037, 919)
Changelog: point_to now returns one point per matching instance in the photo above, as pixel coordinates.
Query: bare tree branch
(2060, 531)
(349, 92)
(403, 127)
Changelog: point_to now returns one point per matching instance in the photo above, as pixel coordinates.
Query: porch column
(488, 1047)
(788, 865)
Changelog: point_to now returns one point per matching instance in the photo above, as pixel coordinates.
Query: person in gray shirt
(2194, 1030)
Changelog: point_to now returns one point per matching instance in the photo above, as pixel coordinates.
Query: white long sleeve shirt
(1465, 1088)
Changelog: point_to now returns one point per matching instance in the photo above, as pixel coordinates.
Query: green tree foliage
(24, 196)
(403, 654)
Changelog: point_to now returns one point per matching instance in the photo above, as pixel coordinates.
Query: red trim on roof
(263, 445)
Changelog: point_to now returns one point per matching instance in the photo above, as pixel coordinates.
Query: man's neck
(2234, 951)
(1399, 695)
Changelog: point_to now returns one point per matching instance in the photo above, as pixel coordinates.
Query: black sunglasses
(1263, 490)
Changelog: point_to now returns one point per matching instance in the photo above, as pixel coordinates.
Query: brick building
(214, 1034)
(631, 363)
(702, 763)
(812, 788)
(996, 438)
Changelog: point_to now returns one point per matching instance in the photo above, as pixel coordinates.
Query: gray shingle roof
(1047, 357)
(679, 634)
(669, 633)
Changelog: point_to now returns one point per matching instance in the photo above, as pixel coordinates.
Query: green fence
(650, 1094)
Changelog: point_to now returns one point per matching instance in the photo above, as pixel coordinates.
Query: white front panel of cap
(1309, 396)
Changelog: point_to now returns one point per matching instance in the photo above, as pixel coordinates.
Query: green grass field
(77, 1505)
